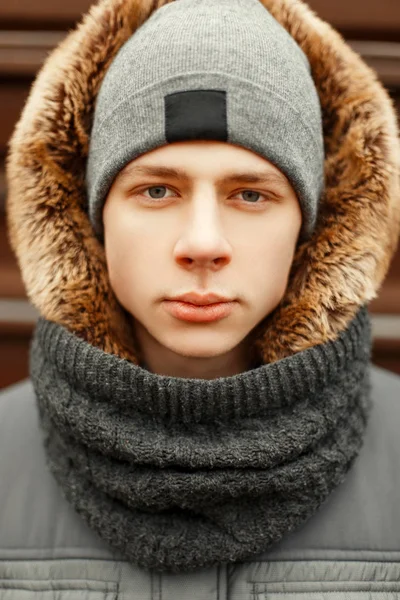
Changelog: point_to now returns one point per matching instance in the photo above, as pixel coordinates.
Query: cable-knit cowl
(177, 474)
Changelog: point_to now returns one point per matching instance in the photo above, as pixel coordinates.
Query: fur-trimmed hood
(339, 269)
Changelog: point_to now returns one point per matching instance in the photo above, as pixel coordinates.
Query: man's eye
(251, 196)
(157, 192)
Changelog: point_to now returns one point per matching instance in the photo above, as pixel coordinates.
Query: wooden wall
(29, 29)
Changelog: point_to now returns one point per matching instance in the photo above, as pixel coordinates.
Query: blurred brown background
(29, 30)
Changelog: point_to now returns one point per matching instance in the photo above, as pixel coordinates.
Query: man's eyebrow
(243, 177)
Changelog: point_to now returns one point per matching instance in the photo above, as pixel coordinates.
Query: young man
(235, 442)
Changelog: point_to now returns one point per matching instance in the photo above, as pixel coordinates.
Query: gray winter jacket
(349, 550)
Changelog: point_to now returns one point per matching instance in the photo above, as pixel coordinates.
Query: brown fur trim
(341, 268)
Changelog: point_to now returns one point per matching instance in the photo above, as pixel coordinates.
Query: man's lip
(200, 299)
(199, 313)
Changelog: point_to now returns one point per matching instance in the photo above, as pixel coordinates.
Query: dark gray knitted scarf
(177, 474)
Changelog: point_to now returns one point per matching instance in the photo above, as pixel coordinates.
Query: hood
(334, 273)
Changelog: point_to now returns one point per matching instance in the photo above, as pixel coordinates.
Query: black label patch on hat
(195, 115)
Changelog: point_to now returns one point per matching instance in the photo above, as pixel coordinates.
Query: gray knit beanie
(213, 70)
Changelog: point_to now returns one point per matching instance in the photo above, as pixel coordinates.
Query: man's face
(166, 235)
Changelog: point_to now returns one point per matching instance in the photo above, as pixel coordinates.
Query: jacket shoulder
(33, 511)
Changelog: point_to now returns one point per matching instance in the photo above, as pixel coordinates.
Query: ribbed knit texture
(233, 46)
(177, 474)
